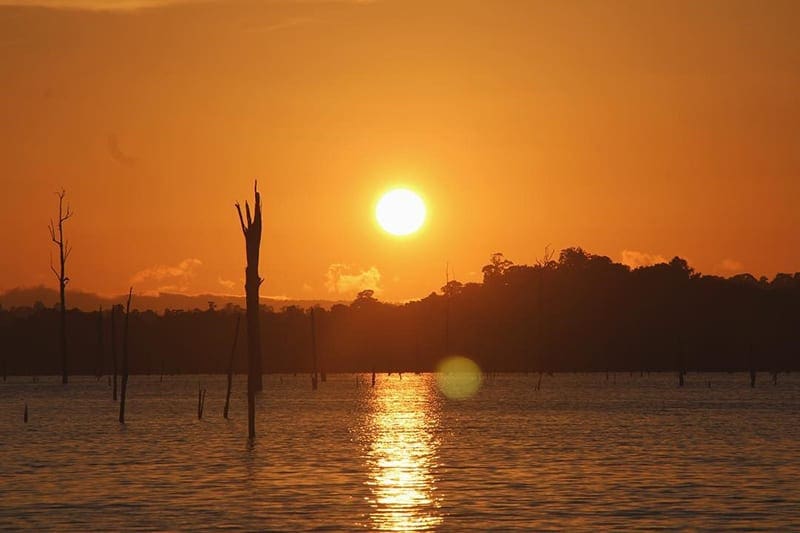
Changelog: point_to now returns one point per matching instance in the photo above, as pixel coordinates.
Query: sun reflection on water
(402, 455)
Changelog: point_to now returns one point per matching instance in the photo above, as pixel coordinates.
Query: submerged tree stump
(124, 389)
(201, 401)
(252, 236)
(313, 351)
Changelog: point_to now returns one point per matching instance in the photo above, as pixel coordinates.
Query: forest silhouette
(579, 312)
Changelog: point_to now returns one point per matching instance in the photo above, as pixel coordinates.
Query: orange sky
(655, 128)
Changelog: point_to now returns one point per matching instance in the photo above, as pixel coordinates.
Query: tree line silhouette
(579, 312)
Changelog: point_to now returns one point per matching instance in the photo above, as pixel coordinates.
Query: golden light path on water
(402, 455)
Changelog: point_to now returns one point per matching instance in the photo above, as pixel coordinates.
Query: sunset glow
(572, 125)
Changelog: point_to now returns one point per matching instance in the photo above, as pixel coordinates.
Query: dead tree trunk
(252, 236)
(313, 351)
(99, 366)
(64, 250)
(114, 349)
(230, 367)
(125, 360)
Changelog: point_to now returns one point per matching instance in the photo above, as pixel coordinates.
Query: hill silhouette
(579, 312)
(87, 301)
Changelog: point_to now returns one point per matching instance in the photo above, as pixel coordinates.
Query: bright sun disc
(400, 212)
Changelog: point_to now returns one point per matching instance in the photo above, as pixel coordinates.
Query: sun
(400, 212)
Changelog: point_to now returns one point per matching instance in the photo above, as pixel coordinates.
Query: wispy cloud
(636, 259)
(94, 5)
(347, 279)
(133, 5)
(285, 24)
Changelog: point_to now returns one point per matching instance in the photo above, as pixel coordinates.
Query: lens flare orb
(459, 377)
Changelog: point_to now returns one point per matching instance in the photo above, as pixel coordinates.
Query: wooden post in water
(201, 401)
(752, 368)
(252, 237)
(313, 351)
(125, 360)
(230, 367)
(25, 414)
(99, 369)
(323, 377)
(114, 348)
(373, 378)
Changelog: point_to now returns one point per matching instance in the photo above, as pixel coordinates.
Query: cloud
(167, 278)
(731, 265)
(228, 284)
(635, 259)
(346, 279)
(93, 5)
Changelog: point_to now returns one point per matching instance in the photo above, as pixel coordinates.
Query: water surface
(584, 452)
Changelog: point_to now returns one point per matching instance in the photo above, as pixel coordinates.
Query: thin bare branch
(241, 219)
(249, 217)
(54, 268)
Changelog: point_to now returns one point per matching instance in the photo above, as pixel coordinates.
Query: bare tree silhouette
(64, 251)
(252, 236)
(124, 383)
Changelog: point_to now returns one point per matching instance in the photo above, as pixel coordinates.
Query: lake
(584, 452)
